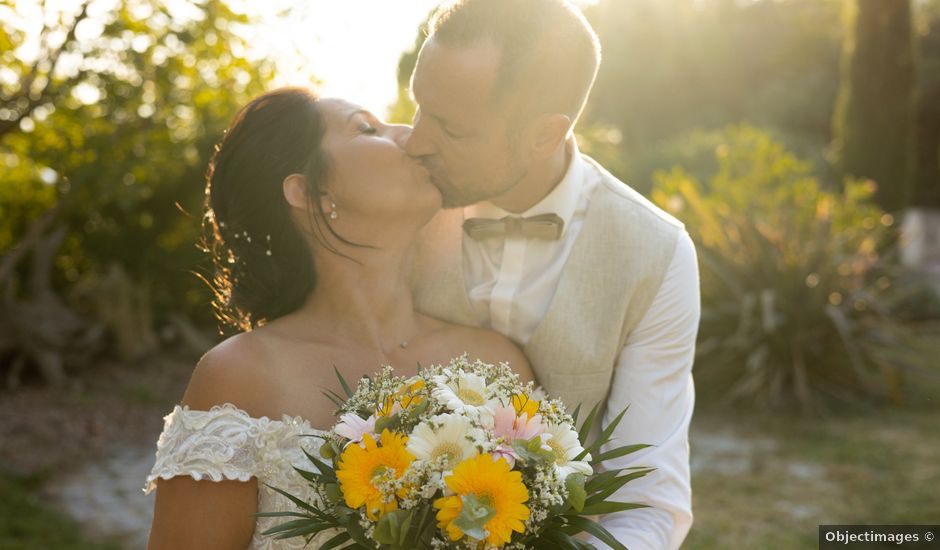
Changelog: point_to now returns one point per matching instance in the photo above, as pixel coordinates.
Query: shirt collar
(562, 200)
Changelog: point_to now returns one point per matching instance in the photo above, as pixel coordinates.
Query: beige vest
(609, 281)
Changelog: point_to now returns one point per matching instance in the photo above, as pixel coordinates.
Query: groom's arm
(654, 377)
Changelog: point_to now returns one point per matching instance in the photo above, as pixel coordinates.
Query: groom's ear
(295, 191)
(548, 132)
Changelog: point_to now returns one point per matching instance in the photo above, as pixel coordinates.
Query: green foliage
(673, 65)
(26, 523)
(874, 116)
(797, 299)
(403, 110)
(474, 515)
(125, 129)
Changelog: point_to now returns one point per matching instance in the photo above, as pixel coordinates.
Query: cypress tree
(873, 125)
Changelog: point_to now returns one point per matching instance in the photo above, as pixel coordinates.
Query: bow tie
(543, 226)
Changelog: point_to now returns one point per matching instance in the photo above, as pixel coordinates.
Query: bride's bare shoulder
(230, 372)
(487, 345)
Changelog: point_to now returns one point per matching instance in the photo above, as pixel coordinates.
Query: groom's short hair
(548, 50)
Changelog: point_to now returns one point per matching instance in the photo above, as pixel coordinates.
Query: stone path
(105, 497)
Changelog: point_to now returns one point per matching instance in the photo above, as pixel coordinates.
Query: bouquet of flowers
(459, 456)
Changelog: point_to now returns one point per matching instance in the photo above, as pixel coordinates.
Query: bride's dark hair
(262, 264)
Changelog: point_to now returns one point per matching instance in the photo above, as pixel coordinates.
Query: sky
(351, 46)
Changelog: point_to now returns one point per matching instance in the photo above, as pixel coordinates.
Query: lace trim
(224, 442)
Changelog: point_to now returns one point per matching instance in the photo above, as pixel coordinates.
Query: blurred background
(799, 140)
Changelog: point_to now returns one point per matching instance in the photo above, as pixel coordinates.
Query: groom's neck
(540, 180)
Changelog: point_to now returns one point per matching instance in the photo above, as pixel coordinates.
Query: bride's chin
(431, 206)
(427, 205)
(427, 191)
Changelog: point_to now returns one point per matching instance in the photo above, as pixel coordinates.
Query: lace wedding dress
(226, 443)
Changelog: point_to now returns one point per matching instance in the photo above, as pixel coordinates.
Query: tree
(873, 124)
(926, 186)
(115, 120)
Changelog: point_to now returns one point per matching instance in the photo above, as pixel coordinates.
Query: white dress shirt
(511, 282)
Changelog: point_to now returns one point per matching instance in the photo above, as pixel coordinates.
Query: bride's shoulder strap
(219, 443)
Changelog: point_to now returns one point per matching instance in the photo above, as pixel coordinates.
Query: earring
(333, 214)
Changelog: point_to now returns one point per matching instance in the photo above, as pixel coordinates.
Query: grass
(782, 476)
(26, 523)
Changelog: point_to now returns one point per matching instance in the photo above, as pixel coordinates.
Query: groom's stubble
(453, 197)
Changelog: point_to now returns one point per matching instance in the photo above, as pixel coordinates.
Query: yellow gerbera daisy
(525, 404)
(494, 485)
(362, 468)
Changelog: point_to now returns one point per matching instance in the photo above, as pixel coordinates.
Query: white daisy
(466, 394)
(564, 441)
(445, 435)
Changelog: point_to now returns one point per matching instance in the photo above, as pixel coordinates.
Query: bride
(312, 206)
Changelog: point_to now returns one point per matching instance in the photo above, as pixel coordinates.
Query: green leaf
(405, 527)
(333, 493)
(576, 493)
(424, 528)
(327, 451)
(344, 512)
(387, 422)
(613, 486)
(596, 529)
(388, 530)
(355, 530)
(336, 541)
(574, 415)
(279, 514)
(323, 516)
(619, 452)
(588, 422)
(312, 477)
(293, 524)
(531, 451)
(420, 408)
(300, 503)
(610, 508)
(604, 437)
(342, 382)
(474, 516)
(327, 474)
(597, 481)
(332, 397)
(557, 539)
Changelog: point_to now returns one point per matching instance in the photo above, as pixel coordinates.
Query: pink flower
(508, 427)
(505, 451)
(355, 428)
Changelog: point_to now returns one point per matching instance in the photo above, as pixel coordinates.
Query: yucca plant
(797, 291)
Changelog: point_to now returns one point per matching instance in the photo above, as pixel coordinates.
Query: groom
(597, 285)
